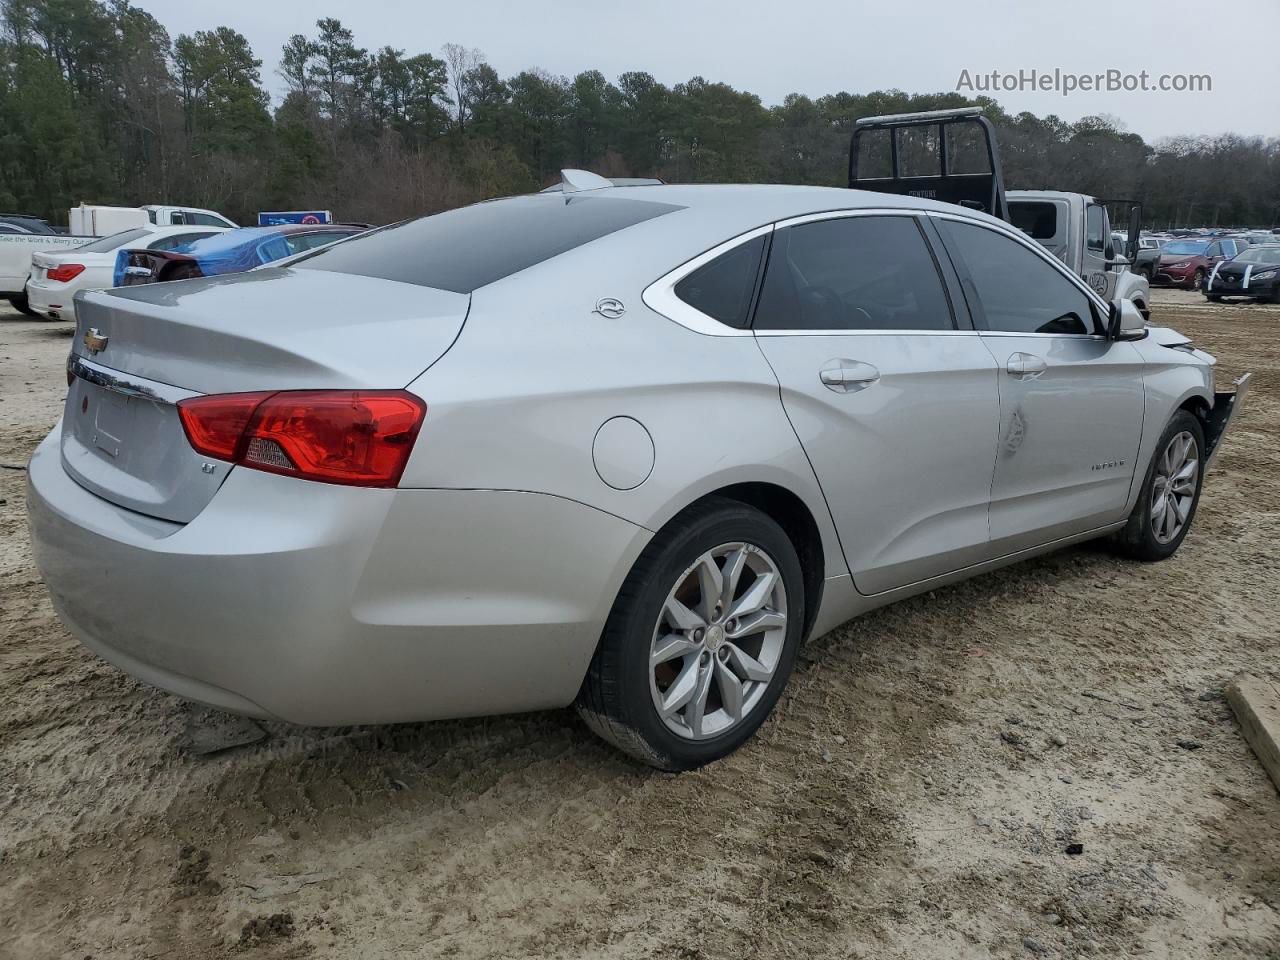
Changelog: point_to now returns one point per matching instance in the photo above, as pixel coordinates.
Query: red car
(1186, 263)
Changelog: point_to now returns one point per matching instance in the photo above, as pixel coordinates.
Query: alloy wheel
(718, 640)
(1173, 490)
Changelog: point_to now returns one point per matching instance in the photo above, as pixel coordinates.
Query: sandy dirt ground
(913, 796)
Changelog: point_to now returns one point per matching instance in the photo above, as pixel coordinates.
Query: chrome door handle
(846, 376)
(1026, 366)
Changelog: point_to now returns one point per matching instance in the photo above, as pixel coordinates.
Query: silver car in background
(624, 447)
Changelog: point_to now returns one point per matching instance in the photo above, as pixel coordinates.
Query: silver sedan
(622, 447)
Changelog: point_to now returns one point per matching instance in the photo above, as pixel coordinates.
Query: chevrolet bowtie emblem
(94, 342)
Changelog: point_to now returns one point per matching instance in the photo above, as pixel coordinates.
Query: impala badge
(94, 341)
(610, 308)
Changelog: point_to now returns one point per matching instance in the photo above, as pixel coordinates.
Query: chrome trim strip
(660, 296)
(845, 214)
(1060, 336)
(116, 382)
(871, 333)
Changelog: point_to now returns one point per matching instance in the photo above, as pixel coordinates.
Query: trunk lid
(272, 329)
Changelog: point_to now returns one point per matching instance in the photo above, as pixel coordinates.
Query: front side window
(852, 273)
(722, 288)
(1017, 291)
(1095, 234)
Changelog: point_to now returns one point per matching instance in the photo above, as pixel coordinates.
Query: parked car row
(155, 253)
(232, 252)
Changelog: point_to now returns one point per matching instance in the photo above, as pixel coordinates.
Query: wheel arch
(1197, 405)
(789, 511)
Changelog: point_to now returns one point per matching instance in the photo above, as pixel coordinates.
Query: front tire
(1170, 492)
(701, 639)
(1197, 280)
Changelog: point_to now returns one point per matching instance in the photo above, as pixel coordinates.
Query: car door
(1093, 260)
(1214, 255)
(1071, 400)
(894, 399)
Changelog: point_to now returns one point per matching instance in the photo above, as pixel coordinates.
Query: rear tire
(725, 634)
(180, 271)
(21, 304)
(1170, 493)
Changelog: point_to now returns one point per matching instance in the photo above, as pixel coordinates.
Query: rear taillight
(65, 272)
(357, 437)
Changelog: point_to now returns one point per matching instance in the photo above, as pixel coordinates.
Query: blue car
(232, 252)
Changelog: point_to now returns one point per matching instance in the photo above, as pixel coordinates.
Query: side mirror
(1110, 252)
(1125, 321)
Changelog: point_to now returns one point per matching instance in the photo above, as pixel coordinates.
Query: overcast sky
(822, 46)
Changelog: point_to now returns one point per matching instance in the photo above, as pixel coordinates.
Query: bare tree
(461, 61)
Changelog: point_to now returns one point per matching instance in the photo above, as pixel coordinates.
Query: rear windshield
(462, 250)
(112, 242)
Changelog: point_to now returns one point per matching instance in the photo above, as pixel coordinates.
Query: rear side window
(1017, 291)
(722, 288)
(852, 273)
(1037, 219)
(1095, 234)
(461, 250)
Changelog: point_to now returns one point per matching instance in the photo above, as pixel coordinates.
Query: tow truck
(1074, 227)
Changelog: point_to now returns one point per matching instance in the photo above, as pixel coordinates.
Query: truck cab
(1076, 228)
(166, 216)
(952, 156)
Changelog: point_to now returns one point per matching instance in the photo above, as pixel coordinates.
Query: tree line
(98, 103)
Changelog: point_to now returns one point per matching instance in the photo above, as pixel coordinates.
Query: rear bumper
(57, 303)
(320, 604)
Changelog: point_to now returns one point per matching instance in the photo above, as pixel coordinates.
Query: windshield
(1260, 255)
(112, 242)
(1186, 247)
